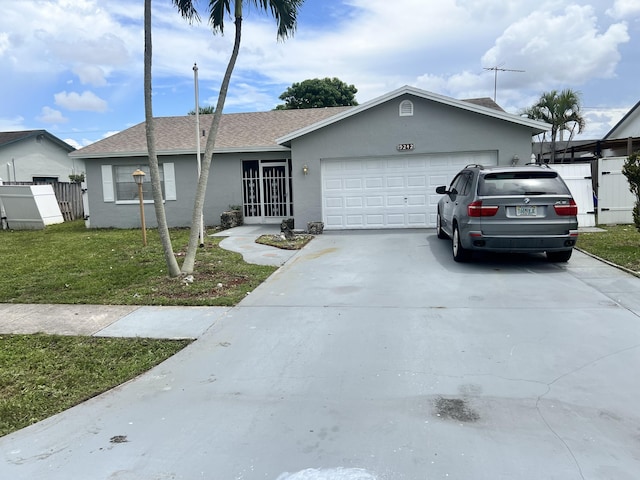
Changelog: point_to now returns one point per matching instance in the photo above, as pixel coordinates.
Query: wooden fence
(69, 196)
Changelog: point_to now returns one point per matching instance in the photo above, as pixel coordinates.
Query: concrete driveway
(375, 356)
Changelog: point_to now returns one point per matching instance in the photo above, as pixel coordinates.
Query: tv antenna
(495, 70)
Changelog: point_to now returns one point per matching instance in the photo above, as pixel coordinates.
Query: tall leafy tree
(154, 171)
(285, 13)
(318, 93)
(562, 111)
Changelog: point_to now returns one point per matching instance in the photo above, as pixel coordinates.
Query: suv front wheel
(439, 232)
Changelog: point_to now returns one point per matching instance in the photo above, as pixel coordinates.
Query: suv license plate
(526, 211)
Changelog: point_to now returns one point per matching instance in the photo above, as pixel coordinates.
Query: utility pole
(497, 69)
(199, 160)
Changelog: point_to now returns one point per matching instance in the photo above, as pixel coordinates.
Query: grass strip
(43, 375)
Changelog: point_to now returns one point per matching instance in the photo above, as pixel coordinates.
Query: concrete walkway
(141, 321)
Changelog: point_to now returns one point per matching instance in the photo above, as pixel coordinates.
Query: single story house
(372, 166)
(36, 156)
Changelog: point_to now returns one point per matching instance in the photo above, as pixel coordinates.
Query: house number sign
(405, 146)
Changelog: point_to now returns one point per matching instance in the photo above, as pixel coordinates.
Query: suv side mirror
(441, 189)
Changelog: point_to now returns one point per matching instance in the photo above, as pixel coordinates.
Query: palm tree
(561, 110)
(285, 13)
(208, 110)
(163, 229)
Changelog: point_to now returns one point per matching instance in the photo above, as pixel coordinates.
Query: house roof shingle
(254, 131)
(7, 138)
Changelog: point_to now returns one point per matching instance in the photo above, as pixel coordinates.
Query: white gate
(577, 176)
(266, 188)
(615, 201)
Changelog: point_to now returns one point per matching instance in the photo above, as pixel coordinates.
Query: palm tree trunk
(163, 230)
(190, 257)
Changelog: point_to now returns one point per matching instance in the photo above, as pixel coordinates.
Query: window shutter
(107, 184)
(169, 181)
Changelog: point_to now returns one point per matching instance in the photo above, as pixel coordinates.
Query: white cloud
(50, 115)
(561, 49)
(74, 143)
(624, 9)
(90, 75)
(12, 124)
(600, 121)
(86, 100)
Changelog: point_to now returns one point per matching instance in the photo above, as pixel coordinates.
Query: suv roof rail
(475, 165)
(536, 164)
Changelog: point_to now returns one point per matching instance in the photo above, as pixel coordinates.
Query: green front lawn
(67, 263)
(618, 244)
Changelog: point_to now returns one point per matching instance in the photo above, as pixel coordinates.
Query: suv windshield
(521, 183)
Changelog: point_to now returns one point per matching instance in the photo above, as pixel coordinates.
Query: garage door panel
(333, 184)
(417, 200)
(353, 183)
(355, 221)
(417, 219)
(333, 202)
(375, 201)
(374, 182)
(416, 181)
(395, 182)
(395, 200)
(396, 221)
(354, 202)
(395, 192)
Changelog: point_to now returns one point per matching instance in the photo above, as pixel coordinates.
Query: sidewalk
(135, 320)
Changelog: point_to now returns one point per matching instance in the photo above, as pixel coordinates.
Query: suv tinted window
(521, 183)
(461, 183)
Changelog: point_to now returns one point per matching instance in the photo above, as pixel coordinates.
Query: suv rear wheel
(460, 254)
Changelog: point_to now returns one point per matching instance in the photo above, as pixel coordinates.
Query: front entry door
(266, 191)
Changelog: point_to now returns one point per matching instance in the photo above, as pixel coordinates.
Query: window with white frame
(125, 186)
(119, 186)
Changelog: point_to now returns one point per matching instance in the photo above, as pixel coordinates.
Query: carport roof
(482, 106)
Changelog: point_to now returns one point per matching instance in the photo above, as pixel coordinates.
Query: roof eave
(262, 149)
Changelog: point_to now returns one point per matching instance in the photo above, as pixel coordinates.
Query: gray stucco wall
(434, 128)
(224, 189)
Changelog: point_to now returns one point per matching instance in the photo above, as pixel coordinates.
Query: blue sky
(75, 67)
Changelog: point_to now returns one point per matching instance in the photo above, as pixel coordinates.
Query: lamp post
(138, 176)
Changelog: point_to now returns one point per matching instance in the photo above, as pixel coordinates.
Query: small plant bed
(298, 241)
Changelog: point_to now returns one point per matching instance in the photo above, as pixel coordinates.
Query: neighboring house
(375, 165)
(606, 157)
(36, 156)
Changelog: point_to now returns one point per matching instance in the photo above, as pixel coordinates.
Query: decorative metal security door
(266, 187)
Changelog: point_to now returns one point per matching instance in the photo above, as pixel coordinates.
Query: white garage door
(394, 192)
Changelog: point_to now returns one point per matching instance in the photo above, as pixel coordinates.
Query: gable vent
(406, 108)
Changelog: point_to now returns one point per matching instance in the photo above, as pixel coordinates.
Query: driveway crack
(564, 375)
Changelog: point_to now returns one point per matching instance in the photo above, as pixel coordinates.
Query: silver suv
(508, 209)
